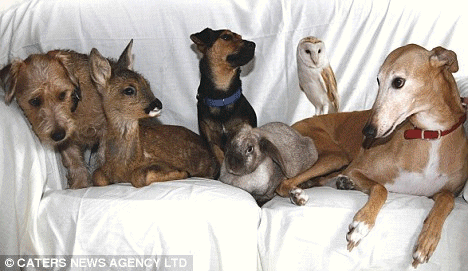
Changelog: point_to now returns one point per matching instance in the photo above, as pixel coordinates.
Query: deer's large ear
(8, 79)
(100, 69)
(443, 57)
(126, 58)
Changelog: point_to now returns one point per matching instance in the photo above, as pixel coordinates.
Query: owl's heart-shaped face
(312, 54)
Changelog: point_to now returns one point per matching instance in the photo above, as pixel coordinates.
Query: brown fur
(141, 151)
(56, 94)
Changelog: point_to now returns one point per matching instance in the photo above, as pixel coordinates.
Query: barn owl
(316, 77)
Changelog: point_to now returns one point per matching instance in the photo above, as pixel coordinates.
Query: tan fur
(141, 151)
(428, 99)
(337, 138)
(44, 87)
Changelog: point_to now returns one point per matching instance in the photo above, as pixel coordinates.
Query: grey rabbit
(258, 159)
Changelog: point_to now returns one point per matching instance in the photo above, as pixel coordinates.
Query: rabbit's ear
(273, 152)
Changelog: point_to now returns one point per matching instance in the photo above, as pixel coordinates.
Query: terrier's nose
(58, 134)
(369, 131)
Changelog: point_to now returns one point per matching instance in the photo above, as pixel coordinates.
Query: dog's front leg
(210, 132)
(73, 160)
(364, 220)
(432, 227)
(326, 164)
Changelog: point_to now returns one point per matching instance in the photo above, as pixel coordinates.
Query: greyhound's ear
(443, 57)
(8, 78)
(203, 39)
(126, 58)
(273, 152)
(100, 69)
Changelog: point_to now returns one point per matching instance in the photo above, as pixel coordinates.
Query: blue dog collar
(223, 102)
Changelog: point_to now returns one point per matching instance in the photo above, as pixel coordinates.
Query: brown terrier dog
(56, 94)
(142, 152)
(222, 108)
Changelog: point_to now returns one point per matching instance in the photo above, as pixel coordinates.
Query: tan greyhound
(416, 143)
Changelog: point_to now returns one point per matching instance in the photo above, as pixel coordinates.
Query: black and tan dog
(222, 108)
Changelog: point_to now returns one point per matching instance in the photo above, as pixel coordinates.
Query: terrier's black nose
(369, 131)
(58, 134)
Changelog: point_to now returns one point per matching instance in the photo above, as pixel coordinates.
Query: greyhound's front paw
(298, 196)
(427, 242)
(357, 231)
(344, 183)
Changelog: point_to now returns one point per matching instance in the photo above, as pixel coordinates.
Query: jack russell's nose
(369, 131)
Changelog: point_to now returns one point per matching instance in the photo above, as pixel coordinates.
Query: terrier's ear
(8, 78)
(204, 39)
(100, 69)
(66, 62)
(443, 57)
(126, 58)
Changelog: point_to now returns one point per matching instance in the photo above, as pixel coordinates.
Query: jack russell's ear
(443, 57)
(204, 39)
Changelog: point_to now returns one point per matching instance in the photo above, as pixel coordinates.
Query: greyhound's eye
(398, 82)
(129, 91)
(226, 37)
(36, 102)
(62, 96)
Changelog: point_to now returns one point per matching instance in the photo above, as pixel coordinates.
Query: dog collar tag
(224, 102)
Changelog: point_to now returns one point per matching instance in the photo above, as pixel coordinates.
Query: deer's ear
(100, 69)
(126, 58)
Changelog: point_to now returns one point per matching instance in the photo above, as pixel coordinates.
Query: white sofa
(220, 226)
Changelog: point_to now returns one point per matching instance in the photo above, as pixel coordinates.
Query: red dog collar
(429, 134)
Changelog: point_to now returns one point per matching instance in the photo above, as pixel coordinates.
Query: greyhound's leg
(364, 220)
(327, 163)
(432, 227)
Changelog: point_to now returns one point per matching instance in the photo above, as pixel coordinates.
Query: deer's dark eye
(398, 82)
(36, 102)
(62, 96)
(129, 91)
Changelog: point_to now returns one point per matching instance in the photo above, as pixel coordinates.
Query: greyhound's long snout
(369, 131)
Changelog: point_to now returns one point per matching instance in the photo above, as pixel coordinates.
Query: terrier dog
(222, 108)
(56, 94)
(136, 151)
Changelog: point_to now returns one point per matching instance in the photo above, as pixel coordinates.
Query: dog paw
(427, 243)
(357, 231)
(298, 196)
(344, 183)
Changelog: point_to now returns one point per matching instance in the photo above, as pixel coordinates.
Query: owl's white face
(312, 54)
